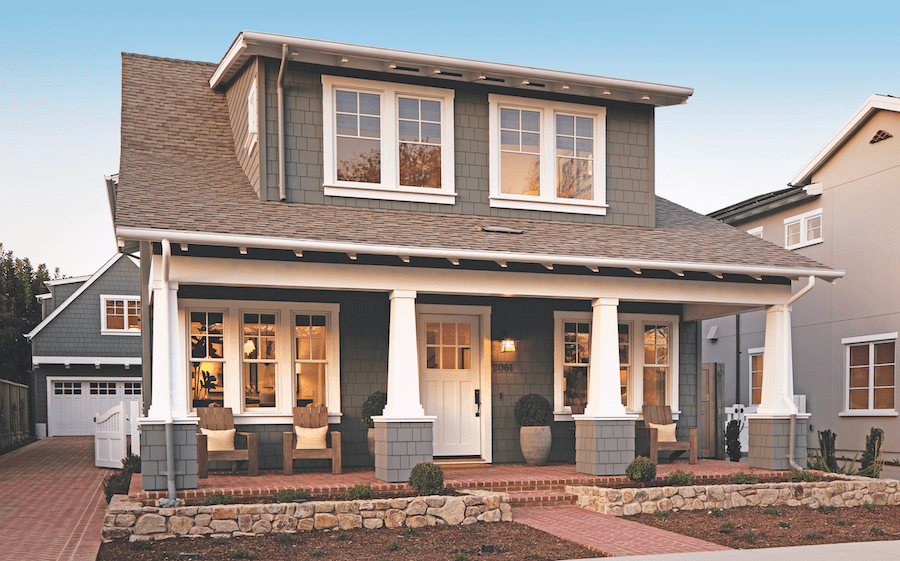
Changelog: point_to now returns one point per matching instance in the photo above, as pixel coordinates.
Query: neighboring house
(318, 221)
(841, 210)
(87, 350)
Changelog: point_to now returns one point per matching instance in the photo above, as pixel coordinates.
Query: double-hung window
(547, 155)
(258, 357)
(756, 375)
(871, 367)
(120, 315)
(207, 358)
(803, 229)
(388, 141)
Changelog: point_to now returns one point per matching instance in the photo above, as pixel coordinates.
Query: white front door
(450, 374)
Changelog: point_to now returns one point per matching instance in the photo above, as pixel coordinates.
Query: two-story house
(321, 220)
(86, 351)
(839, 209)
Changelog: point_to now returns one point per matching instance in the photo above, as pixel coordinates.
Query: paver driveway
(52, 502)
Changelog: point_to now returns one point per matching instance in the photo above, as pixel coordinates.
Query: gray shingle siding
(628, 151)
(76, 330)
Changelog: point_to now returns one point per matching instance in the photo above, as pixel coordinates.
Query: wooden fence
(14, 413)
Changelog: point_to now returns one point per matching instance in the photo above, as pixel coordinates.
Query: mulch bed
(723, 480)
(434, 543)
(753, 527)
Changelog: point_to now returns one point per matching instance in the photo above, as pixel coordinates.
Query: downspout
(793, 437)
(170, 441)
(281, 189)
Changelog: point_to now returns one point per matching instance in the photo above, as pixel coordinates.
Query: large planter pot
(535, 443)
(370, 443)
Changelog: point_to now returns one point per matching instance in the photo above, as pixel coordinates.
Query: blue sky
(773, 82)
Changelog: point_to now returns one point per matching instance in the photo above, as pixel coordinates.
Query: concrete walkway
(868, 551)
(52, 505)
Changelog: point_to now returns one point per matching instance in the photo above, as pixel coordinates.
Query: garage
(72, 403)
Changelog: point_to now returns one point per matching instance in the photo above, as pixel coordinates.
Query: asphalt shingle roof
(179, 172)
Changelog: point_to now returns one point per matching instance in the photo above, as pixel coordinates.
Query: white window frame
(803, 220)
(634, 382)
(756, 232)
(105, 329)
(547, 200)
(758, 351)
(252, 117)
(278, 336)
(233, 311)
(389, 188)
(871, 340)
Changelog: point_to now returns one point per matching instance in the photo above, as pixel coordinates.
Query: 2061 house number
(501, 367)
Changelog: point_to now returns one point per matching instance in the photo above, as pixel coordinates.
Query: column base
(603, 446)
(153, 455)
(770, 441)
(400, 445)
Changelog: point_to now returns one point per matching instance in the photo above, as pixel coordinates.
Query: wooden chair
(662, 415)
(311, 417)
(220, 418)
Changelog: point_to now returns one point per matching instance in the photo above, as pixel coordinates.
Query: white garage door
(72, 403)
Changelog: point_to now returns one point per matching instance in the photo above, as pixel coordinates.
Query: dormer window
(388, 141)
(547, 155)
(803, 230)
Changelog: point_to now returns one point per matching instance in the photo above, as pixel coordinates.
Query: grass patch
(876, 531)
(393, 546)
(811, 535)
(771, 511)
(342, 537)
(726, 526)
(661, 514)
(717, 512)
(241, 554)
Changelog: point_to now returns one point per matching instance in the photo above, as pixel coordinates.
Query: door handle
(478, 403)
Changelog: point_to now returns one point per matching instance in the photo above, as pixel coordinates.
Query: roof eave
(390, 61)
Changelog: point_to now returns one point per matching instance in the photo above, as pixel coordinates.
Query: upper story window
(803, 229)
(871, 366)
(547, 155)
(388, 141)
(120, 315)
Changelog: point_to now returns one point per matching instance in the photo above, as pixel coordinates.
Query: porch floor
(518, 479)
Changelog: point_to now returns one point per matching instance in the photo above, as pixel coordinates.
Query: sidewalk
(868, 551)
(52, 505)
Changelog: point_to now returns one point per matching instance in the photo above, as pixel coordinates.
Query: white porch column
(778, 371)
(403, 360)
(604, 390)
(164, 361)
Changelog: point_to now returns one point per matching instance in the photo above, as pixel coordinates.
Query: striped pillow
(219, 440)
(308, 439)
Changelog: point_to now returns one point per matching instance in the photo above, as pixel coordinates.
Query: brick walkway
(52, 504)
(609, 534)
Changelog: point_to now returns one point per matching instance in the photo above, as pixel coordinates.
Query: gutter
(502, 257)
(280, 93)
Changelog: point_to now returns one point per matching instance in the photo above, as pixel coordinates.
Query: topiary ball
(426, 478)
(641, 469)
(533, 410)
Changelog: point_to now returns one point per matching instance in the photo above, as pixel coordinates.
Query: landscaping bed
(436, 543)
(757, 527)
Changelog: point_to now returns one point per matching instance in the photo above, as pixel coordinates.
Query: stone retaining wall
(848, 491)
(128, 519)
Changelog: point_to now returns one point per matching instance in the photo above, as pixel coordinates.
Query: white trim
(252, 116)
(44, 296)
(66, 280)
(802, 220)
(130, 361)
(104, 330)
(872, 105)
(547, 199)
(869, 413)
(204, 238)
(58, 310)
(757, 232)
(390, 187)
(869, 338)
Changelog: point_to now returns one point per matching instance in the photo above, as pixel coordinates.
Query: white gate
(109, 437)
(736, 413)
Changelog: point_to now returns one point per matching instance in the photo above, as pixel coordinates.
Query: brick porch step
(535, 499)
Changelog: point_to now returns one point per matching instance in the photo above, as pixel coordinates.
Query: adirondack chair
(662, 415)
(220, 418)
(311, 418)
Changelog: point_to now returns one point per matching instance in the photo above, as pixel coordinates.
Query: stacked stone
(845, 492)
(129, 519)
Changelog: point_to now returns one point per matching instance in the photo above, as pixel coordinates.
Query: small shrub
(743, 478)
(219, 499)
(732, 440)
(164, 555)
(342, 537)
(717, 512)
(427, 478)
(460, 556)
(473, 529)
(641, 469)
(219, 541)
(285, 538)
(801, 475)
(869, 507)
(751, 536)
(533, 410)
(661, 514)
(393, 546)
(771, 511)
(116, 484)
(811, 535)
(876, 531)
(784, 524)
(372, 407)
(840, 522)
(291, 495)
(141, 546)
(873, 458)
(680, 478)
(360, 491)
(318, 552)
(241, 554)
(726, 526)
(823, 509)
(410, 531)
(131, 463)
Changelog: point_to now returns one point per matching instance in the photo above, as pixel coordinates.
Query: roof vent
(501, 230)
(879, 136)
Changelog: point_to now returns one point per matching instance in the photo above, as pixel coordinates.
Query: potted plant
(372, 407)
(533, 414)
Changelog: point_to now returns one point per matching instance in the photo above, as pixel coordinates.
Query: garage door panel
(73, 404)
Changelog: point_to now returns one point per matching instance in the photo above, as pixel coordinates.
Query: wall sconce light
(507, 343)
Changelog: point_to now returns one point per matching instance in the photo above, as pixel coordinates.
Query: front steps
(530, 494)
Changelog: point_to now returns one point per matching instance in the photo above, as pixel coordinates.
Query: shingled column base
(770, 441)
(400, 445)
(603, 446)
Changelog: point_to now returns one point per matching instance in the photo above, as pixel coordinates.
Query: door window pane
(448, 346)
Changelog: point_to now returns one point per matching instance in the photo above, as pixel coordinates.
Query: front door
(449, 367)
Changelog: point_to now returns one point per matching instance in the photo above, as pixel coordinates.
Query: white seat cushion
(308, 439)
(219, 440)
(666, 432)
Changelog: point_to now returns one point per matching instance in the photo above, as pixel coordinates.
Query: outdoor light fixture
(507, 343)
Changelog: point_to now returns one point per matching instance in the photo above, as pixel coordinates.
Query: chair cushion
(308, 439)
(219, 440)
(666, 432)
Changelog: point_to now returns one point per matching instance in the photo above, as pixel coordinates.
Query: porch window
(120, 315)
(311, 359)
(207, 346)
(624, 359)
(258, 357)
(577, 344)
(871, 367)
(756, 375)
(656, 363)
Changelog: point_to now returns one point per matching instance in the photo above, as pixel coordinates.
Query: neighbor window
(207, 358)
(871, 365)
(803, 229)
(756, 375)
(388, 141)
(258, 358)
(121, 315)
(547, 155)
